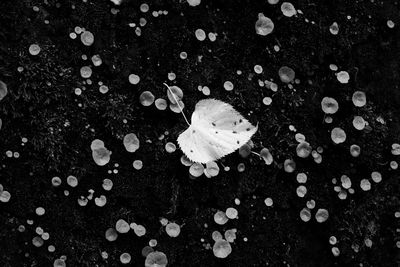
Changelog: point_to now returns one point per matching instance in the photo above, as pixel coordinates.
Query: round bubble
(212, 168)
(131, 142)
(173, 229)
(101, 156)
(122, 226)
(146, 98)
(87, 38)
(161, 104)
(220, 218)
(196, 169)
(3, 91)
(222, 248)
(263, 25)
(111, 234)
(288, 9)
(338, 135)
(321, 215)
(359, 123)
(359, 99)
(355, 150)
(303, 150)
(329, 105)
(156, 259)
(34, 49)
(134, 79)
(289, 166)
(286, 74)
(193, 2)
(305, 214)
(125, 258)
(170, 147)
(200, 34)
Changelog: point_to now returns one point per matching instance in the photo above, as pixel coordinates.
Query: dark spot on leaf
(213, 124)
(234, 123)
(191, 151)
(216, 132)
(193, 131)
(237, 142)
(248, 129)
(240, 121)
(234, 132)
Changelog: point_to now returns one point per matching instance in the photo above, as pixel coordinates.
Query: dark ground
(41, 100)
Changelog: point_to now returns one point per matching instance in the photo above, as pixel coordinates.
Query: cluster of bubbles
(344, 187)
(87, 39)
(201, 35)
(73, 182)
(174, 94)
(123, 227)
(41, 236)
(320, 216)
(246, 150)
(211, 169)
(222, 247)
(335, 250)
(153, 258)
(264, 25)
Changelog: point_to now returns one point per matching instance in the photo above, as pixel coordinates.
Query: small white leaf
(217, 130)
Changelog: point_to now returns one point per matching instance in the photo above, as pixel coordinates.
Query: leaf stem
(177, 102)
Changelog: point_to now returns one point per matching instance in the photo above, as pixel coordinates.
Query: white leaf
(217, 130)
